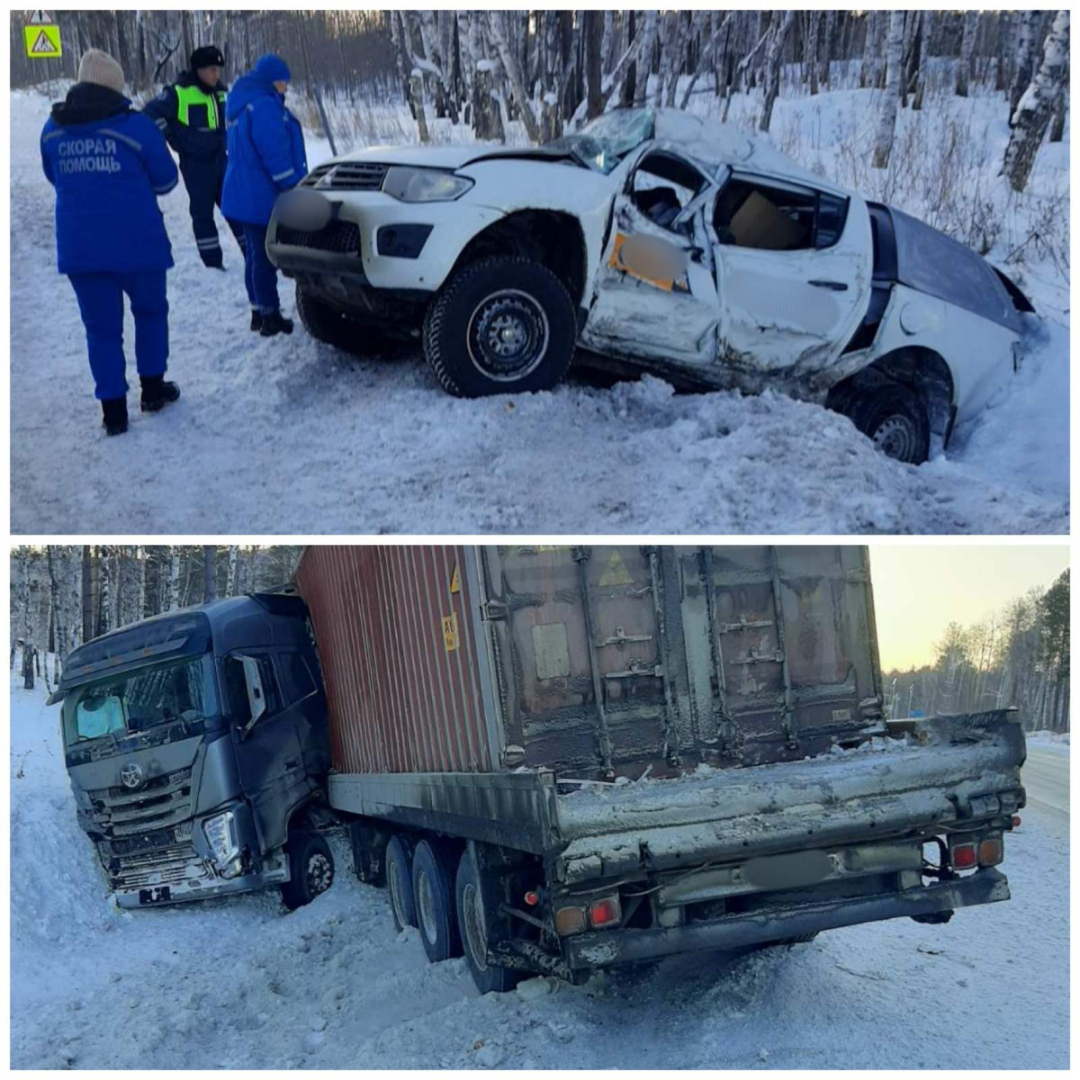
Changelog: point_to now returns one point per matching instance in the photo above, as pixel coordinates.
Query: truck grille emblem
(131, 776)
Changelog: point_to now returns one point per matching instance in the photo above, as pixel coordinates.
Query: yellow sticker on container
(615, 573)
(450, 632)
(455, 580)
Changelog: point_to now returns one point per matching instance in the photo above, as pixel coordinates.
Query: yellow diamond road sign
(42, 42)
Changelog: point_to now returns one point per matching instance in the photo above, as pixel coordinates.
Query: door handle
(836, 286)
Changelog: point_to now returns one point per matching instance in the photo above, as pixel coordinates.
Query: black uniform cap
(207, 56)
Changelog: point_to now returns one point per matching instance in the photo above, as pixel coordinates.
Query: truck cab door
(655, 291)
(794, 273)
(269, 754)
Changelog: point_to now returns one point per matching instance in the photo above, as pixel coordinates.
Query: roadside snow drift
(285, 435)
(242, 984)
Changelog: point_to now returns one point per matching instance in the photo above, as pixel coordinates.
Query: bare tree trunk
(234, 562)
(780, 30)
(1025, 59)
(967, 46)
(104, 591)
(209, 572)
(830, 34)
(1035, 109)
(499, 36)
(1057, 127)
(87, 593)
(594, 31)
(924, 60)
(813, 45)
(707, 56)
(173, 596)
(887, 120)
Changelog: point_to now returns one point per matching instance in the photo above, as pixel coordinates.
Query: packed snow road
(1046, 778)
(286, 435)
(242, 984)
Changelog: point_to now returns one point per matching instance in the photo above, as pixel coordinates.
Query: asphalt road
(1046, 777)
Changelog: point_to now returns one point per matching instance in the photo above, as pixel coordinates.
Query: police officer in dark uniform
(191, 115)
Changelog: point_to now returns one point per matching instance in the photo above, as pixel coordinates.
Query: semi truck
(555, 758)
(559, 759)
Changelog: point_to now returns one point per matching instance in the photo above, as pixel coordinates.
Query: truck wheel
(478, 925)
(311, 869)
(358, 339)
(498, 326)
(399, 882)
(894, 418)
(433, 877)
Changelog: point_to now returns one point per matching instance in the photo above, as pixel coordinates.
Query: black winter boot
(275, 323)
(114, 415)
(256, 320)
(157, 393)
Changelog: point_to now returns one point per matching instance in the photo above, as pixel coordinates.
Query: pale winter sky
(919, 590)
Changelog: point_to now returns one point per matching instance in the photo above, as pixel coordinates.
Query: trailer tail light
(570, 920)
(605, 912)
(532, 898)
(991, 851)
(1016, 823)
(964, 856)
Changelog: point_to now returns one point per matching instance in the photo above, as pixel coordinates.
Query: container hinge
(493, 610)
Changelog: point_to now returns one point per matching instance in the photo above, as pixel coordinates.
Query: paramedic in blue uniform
(191, 116)
(266, 157)
(109, 164)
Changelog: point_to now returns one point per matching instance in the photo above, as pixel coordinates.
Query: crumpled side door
(790, 312)
(655, 294)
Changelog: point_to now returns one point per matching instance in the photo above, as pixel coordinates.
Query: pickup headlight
(424, 185)
(220, 833)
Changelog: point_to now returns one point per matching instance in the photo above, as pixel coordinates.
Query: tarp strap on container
(721, 716)
(671, 731)
(581, 556)
(788, 715)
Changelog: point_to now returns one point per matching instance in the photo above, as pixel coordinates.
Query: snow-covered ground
(242, 984)
(286, 435)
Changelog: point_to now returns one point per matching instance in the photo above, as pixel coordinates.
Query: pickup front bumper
(605, 948)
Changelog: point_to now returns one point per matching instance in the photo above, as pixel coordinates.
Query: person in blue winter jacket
(266, 157)
(108, 165)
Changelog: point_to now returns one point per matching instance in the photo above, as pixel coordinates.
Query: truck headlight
(424, 185)
(220, 833)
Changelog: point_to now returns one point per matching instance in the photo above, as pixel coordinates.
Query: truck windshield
(604, 142)
(141, 699)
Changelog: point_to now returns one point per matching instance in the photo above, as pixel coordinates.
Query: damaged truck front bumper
(779, 923)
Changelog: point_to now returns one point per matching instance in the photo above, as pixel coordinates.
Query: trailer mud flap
(627, 946)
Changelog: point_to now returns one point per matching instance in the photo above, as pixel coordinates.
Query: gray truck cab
(197, 746)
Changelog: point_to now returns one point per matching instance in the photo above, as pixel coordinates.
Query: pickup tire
(436, 913)
(894, 418)
(311, 869)
(399, 856)
(331, 327)
(501, 325)
(479, 925)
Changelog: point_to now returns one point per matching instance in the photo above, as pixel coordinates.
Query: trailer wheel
(499, 326)
(399, 882)
(311, 869)
(433, 889)
(478, 926)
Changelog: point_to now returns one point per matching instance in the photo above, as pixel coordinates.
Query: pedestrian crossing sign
(42, 42)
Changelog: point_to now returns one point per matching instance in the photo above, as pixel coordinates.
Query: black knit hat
(207, 56)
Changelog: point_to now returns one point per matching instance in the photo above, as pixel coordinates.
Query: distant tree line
(63, 595)
(1018, 657)
(550, 70)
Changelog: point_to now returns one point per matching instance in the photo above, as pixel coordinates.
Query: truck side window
(298, 679)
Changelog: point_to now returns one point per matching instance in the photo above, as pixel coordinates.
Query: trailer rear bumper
(607, 948)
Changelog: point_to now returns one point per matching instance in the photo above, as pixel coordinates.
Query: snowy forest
(545, 71)
(63, 595)
(1018, 656)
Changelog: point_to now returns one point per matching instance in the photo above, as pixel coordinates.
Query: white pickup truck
(651, 240)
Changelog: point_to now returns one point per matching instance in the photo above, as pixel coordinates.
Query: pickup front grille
(347, 176)
(339, 237)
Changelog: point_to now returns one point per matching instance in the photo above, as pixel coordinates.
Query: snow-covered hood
(445, 157)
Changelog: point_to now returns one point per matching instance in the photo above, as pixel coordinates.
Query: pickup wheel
(433, 887)
(498, 326)
(358, 339)
(894, 418)
(311, 869)
(399, 857)
(479, 925)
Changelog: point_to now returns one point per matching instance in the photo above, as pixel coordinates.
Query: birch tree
(173, 595)
(887, 118)
(1036, 106)
(967, 48)
(779, 31)
(501, 40)
(1025, 59)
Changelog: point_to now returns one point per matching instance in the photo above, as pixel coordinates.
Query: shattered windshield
(602, 143)
(141, 699)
